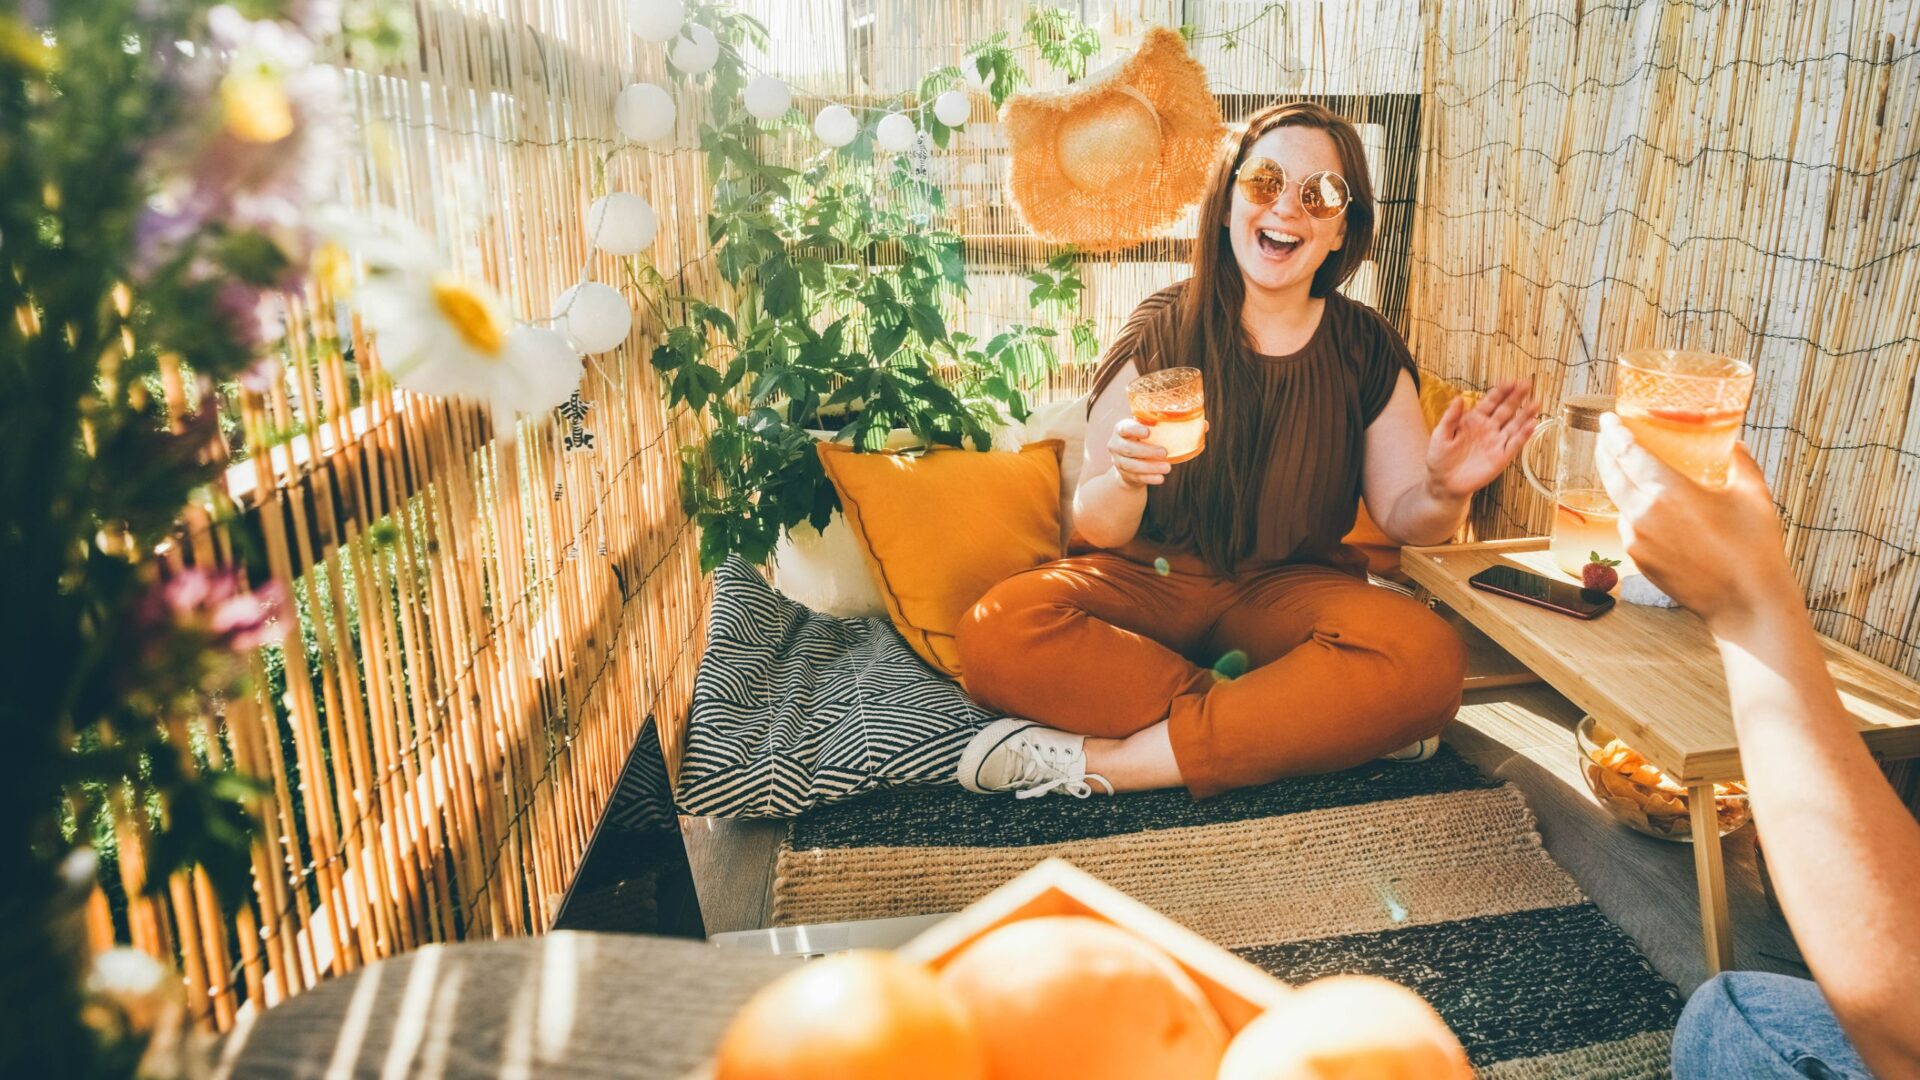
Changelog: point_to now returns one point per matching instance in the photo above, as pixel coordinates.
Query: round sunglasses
(1323, 194)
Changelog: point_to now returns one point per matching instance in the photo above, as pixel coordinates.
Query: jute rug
(1431, 875)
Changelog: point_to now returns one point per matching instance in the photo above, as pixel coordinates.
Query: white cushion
(827, 571)
(1065, 420)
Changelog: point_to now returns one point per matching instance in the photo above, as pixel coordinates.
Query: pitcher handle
(1526, 458)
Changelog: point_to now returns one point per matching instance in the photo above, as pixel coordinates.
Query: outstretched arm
(1843, 851)
(1418, 484)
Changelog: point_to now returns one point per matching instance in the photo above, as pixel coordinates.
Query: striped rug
(1431, 875)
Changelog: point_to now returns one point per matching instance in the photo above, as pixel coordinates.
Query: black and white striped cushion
(793, 709)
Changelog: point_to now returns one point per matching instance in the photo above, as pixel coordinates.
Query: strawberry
(1600, 575)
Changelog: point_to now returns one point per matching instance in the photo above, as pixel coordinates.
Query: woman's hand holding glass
(1137, 462)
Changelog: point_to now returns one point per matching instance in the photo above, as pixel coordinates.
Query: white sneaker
(1413, 752)
(1027, 759)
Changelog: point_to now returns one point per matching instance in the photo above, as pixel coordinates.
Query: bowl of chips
(1640, 795)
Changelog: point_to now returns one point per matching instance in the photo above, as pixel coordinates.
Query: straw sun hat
(1107, 162)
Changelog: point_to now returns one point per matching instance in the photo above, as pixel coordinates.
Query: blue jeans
(1745, 1025)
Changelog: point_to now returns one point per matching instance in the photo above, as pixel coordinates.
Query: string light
(644, 113)
(695, 51)
(593, 316)
(952, 108)
(621, 224)
(836, 126)
(895, 133)
(767, 98)
(655, 20)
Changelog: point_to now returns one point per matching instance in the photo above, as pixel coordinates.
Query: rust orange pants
(1339, 671)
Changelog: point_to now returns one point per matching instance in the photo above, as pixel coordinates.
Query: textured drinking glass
(1171, 403)
(1685, 407)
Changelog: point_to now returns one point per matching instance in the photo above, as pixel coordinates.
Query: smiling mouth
(1277, 243)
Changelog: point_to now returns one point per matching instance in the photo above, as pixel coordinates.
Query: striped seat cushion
(793, 709)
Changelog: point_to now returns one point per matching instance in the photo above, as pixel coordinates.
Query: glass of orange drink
(1685, 407)
(1172, 403)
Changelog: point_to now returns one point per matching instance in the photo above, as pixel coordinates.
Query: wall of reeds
(1743, 178)
(486, 625)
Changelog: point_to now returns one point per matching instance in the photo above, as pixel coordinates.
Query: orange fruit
(1068, 995)
(862, 1015)
(1349, 1027)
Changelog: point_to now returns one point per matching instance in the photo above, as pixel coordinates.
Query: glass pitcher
(1585, 521)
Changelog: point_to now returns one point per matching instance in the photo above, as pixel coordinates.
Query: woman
(1105, 658)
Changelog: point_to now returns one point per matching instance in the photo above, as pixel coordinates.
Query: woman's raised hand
(1470, 447)
(1136, 461)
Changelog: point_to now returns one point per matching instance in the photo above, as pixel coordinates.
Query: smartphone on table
(1560, 596)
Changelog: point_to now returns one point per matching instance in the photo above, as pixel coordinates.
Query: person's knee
(1709, 1022)
(1751, 1023)
(1428, 658)
(996, 633)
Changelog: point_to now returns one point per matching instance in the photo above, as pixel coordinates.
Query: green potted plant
(837, 328)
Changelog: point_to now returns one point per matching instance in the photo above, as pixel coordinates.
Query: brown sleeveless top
(1315, 409)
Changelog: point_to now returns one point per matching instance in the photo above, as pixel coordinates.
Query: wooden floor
(1521, 734)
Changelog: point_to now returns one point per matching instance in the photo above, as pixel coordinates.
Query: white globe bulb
(592, 316)
(695, 51)
(767, 98)
(836, 126)
(656, 20)
(621, 224)
(644, 113)
(895, 133)
(548, 371)
(952, 108)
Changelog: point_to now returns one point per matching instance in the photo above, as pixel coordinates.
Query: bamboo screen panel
(1733, 177)
(488, 624)
(484, 624)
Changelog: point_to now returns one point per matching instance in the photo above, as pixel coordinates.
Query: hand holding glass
(1171, 402)
(1685, 408)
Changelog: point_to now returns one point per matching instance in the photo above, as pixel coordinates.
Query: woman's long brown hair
(1212, 503)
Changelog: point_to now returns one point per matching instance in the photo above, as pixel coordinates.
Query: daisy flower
(449, 336)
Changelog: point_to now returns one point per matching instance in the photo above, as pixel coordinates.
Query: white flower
(448, 336)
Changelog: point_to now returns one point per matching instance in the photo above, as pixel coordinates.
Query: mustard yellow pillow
(941, 528)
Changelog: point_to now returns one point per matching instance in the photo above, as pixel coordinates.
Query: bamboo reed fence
(1733, 177)
(487, 624)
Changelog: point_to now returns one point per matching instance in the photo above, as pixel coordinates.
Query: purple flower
(215, 604)
(253, 316)
(246, 621)
(210, 175)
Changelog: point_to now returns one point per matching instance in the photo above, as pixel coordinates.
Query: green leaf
(927, 322)
(953, 263)
(887, 339)
(667, 358)
(767, 386)
(717, 319)
(781, 290)
(1086, 343)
